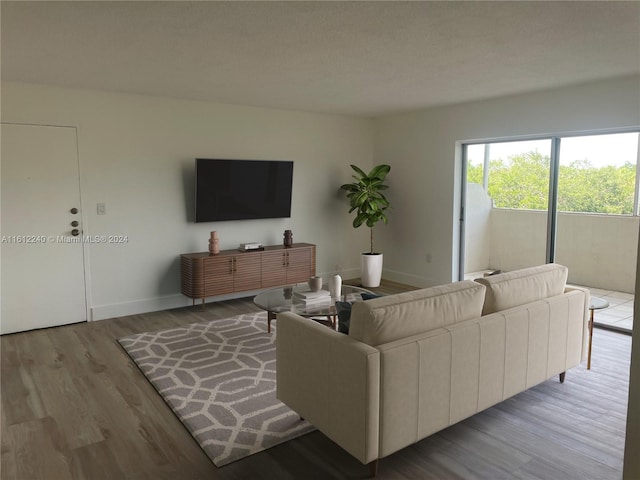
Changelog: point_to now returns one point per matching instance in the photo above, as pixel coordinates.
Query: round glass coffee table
(288, 299)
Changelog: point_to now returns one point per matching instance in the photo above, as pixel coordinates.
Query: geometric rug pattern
(219, 378)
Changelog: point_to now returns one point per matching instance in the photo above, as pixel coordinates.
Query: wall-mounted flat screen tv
(242, 189)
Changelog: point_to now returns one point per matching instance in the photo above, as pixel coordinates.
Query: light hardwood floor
(74, 406)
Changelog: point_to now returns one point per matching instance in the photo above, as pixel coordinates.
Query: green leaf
(359, 220)
(359, 199)
(365, 197)
(380, 171)
(359, 171)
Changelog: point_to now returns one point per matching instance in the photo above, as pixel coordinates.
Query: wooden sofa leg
(373, 468)
(562, 377)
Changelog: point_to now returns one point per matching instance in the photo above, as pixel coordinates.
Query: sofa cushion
(511, 289)
(392, 317)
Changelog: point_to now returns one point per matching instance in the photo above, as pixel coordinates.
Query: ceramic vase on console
(288, 238)
(335, 286)
(214, 244)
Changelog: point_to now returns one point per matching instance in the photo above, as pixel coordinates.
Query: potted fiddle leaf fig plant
(367, 200)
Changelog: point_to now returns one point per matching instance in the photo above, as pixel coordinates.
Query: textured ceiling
(363, 58)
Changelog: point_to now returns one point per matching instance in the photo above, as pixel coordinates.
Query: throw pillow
(492, 273)
(344, 312)
(369, 296)
(344, 316)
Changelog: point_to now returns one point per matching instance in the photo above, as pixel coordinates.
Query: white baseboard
(103, 312)
(407, 279)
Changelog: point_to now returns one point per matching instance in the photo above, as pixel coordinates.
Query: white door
(42, 262)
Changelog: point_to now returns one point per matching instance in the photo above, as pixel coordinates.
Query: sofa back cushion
(511, 289)
(390, 318)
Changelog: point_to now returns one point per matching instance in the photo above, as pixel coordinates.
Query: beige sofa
(416, 362)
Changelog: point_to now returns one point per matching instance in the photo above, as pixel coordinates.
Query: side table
(596, 304)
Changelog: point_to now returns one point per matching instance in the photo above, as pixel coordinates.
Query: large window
(515, 174)
(596, 173)
(569, 199)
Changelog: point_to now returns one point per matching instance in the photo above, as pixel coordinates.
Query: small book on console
(250, 246)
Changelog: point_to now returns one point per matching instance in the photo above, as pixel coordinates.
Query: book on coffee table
(309, 296)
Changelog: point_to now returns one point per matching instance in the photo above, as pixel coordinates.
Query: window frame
(552, 210)
(554, 163)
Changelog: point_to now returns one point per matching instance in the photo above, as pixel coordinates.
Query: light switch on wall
(102, 209)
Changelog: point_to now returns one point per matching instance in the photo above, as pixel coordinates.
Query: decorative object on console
(214, 244)
(335, 285)
(246, 247)
(288, 238)
(315, 284)
(366, 198)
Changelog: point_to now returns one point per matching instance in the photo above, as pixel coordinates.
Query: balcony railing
(599, 250)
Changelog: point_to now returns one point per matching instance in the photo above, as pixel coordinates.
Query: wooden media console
(204, 275)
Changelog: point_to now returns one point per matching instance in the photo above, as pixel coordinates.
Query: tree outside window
(597, 174)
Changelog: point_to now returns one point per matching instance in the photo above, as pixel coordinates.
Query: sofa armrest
(332, 381)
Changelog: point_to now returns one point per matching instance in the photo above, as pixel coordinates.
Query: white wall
(477, 229)
(423, 150)
(137, 156)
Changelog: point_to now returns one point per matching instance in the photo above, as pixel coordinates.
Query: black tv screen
(242, 189)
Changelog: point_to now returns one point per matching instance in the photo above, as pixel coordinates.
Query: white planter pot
(371, 269)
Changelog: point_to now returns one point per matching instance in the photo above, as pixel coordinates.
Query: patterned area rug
(219, 378)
